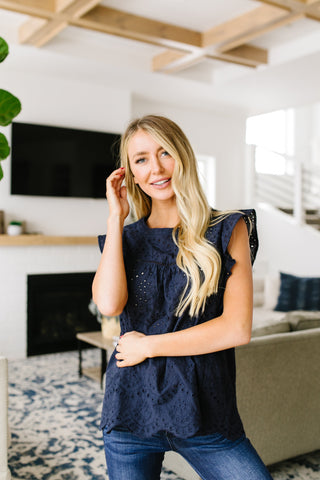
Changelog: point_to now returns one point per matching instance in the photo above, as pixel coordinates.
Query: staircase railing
(311, 187)
(296, 192)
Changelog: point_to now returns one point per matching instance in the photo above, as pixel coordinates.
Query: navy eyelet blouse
(189, 395)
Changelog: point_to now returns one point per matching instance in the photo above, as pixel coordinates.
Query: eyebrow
(138, 154)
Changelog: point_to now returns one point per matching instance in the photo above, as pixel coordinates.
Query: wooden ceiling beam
(77, 8)
(37, 34)
(255, 19)
(174, 61)
(309, 8)
(313, 11)
(168, 58)
(250, 55)
(291, 5)
(34, 8)
(38, 8)
(231, 35)
(223, 57)
(189, 60)
(167, 63)
(30, 27)
(82, 13)
(43, 34)
(307, 2)
(115, 22)
(288, 5)
(61, 5)
(187, 47)
(287, 19)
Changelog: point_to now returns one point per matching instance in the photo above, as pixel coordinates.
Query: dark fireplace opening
(57, 311)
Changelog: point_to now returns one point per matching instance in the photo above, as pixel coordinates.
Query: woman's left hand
(131, 349)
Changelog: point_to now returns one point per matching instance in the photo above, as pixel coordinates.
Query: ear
(135, 180)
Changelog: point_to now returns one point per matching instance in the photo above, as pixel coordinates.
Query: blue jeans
(213, 457)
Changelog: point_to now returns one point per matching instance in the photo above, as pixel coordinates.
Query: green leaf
(4, 49)
(10, 106)
(1, 172)
(4, 147)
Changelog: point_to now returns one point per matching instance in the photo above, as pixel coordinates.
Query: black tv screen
(61, 162)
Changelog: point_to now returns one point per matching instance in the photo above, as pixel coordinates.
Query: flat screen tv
(61, 162)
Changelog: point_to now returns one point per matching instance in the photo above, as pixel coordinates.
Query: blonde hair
(197, 257)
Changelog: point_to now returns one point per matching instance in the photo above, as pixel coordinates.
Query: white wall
(286, 246)
(221, 136)
(61, 102)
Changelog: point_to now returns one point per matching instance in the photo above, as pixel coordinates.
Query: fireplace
(57, 311)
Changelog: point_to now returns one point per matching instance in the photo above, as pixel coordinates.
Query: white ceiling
(200, 15)
(291, 78)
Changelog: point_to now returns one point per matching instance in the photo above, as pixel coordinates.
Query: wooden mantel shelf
(26, 240)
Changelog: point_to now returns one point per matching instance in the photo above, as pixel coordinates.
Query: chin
(163, 197)
(160, 194)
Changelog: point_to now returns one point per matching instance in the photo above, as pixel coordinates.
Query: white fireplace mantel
(32, 240)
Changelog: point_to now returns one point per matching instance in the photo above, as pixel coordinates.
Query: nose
(156, 165)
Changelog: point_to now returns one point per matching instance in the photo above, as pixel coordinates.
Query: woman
(170, 384)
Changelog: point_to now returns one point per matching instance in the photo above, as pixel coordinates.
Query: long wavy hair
(196, 257)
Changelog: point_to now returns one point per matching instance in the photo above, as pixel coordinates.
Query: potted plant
(15, 228)
(10, 106)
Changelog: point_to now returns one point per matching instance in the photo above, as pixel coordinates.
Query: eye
(164, 153)
(140, 160)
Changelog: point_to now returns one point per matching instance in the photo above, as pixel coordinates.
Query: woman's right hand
(117, 194)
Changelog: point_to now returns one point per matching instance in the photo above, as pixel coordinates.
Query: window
(207, 176)
(273, 135)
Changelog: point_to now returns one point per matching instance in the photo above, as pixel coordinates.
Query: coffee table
(97, 340)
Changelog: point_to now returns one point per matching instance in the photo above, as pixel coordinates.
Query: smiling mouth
(162, 182)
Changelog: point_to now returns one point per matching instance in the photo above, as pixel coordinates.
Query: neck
(163, 216)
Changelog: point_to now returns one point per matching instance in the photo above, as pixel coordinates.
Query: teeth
(161, 183)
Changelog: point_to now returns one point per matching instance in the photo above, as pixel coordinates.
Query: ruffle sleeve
(229, 223)
(101, 241)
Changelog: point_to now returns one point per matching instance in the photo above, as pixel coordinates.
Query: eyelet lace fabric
(186, 396)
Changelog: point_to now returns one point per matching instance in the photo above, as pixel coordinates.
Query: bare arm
(232, 328)
(109, 288)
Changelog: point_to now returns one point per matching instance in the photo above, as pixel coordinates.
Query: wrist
(149, 345)
(115, 220)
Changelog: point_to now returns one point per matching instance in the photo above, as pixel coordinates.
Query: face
(151, 166)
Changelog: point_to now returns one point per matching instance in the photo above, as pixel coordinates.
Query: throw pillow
(298, 293)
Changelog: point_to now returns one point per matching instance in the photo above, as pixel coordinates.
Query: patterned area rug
(54, 418)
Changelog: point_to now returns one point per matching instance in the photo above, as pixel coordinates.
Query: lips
(159, 183)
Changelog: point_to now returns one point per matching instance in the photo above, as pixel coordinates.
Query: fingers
(119, 170)
(119, 357)
(115, 179)
(123, 192)
(123, 357)
(118, 173)
(121, 362)
(117, 193)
